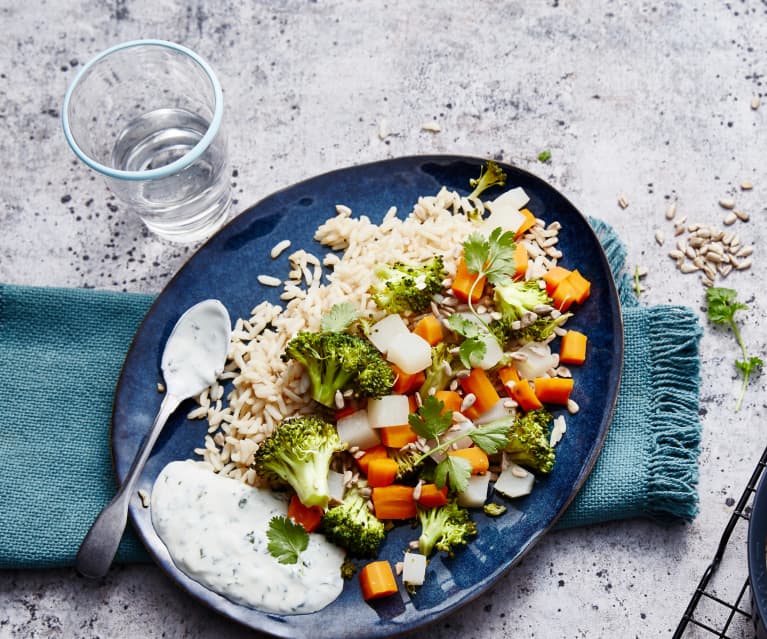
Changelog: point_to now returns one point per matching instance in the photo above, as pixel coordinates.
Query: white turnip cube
(475, 494)
(515, 481)
(383, 332)
(414, 569)
(410, 352)
(389, 410)
(355, 430)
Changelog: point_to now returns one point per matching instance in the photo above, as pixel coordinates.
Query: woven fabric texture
(61, 351)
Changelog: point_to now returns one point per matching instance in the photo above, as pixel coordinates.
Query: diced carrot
(564, 295)
(405, 383)
(508, 374)
(553, 277)
(463, 281)
(553, 390)
(581, 286)
(381, 472)
(412, 404)
(397, 436)
(451, 400)
(394, 501)
(308, 516)
(430, 328)
(475, 456)
(377, 452)
(520, 260)
(377, 580)
(478, 383)
(432, 497)
(527, 224)
(523, 394)
(572, 349)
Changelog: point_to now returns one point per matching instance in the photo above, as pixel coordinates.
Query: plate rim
(429, 616)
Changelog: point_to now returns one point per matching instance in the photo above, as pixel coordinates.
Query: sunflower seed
(724, 269)
(742, 266)
(730, 219)
(707, 281)
(755, 102)
(742, 215)
(746, 185)
(623, 202)
(727, 203)
(671, 211)
(660, 237)
(745, 251)
(688, 267)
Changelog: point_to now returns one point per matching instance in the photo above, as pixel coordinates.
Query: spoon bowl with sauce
(193, 358)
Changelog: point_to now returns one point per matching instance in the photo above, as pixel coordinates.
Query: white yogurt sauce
(215, 530)
(196, 350)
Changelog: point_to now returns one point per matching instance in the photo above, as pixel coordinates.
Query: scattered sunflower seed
(671, 211)
(742, 215)
(433, 127)
(755, 102)
(745, 185)
(730, 219)
(144, 497)
(660, 237)
(623, 202)
(727, 203)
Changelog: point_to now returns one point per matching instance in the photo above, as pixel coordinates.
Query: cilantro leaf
(287, 540)
(472, 351)
(476, 251)
(339, 318)
(453, 471)
(544, 156)
(491, 437)
(463, 325)
(722, 306)
(429, 422)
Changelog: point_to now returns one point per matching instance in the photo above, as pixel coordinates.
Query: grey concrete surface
(648, 100)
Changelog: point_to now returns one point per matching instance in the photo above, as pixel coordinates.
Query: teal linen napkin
(61, 351)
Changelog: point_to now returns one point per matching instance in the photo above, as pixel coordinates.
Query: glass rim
(163, 171)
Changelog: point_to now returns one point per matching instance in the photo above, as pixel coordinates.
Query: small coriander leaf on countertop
(722, 306)
(287, 540)
(339, 318)
(544, 156)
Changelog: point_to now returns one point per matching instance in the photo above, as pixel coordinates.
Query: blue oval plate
(226, 268)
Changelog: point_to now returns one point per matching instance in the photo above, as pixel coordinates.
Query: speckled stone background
(651, 101)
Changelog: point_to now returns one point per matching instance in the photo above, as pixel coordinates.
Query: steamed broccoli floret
(409, 462)
(351, 525)
(529, 441)
(490, 175)
(339, 361)
(299, 452)
(444, 528)
(516, 299)
(539, 331)
(401, 287)
(437, 376)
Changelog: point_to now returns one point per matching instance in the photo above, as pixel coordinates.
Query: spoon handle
(100, 544)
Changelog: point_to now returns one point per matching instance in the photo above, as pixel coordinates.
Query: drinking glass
(147, 115)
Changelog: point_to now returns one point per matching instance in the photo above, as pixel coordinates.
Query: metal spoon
(193, 358)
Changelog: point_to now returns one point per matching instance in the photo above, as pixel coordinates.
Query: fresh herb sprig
(339, 318)
(722, 306)
(430, 422)
(287, 540)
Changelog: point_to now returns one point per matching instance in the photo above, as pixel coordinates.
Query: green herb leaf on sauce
(287, 540)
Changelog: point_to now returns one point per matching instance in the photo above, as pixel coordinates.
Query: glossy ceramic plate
(226, 268)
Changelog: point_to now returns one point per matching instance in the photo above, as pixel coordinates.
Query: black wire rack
(724, 609)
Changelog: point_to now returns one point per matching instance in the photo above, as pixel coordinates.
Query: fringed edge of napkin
(671, 462)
